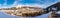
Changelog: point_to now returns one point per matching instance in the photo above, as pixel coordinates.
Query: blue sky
(40, 3)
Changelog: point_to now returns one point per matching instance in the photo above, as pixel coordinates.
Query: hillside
(24, 11)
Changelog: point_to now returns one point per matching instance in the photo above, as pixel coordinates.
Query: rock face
(24, 11)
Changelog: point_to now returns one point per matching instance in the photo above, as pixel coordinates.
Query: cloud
(16, 3)
(35, 5)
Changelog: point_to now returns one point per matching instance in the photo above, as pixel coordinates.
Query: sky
(38, 3)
